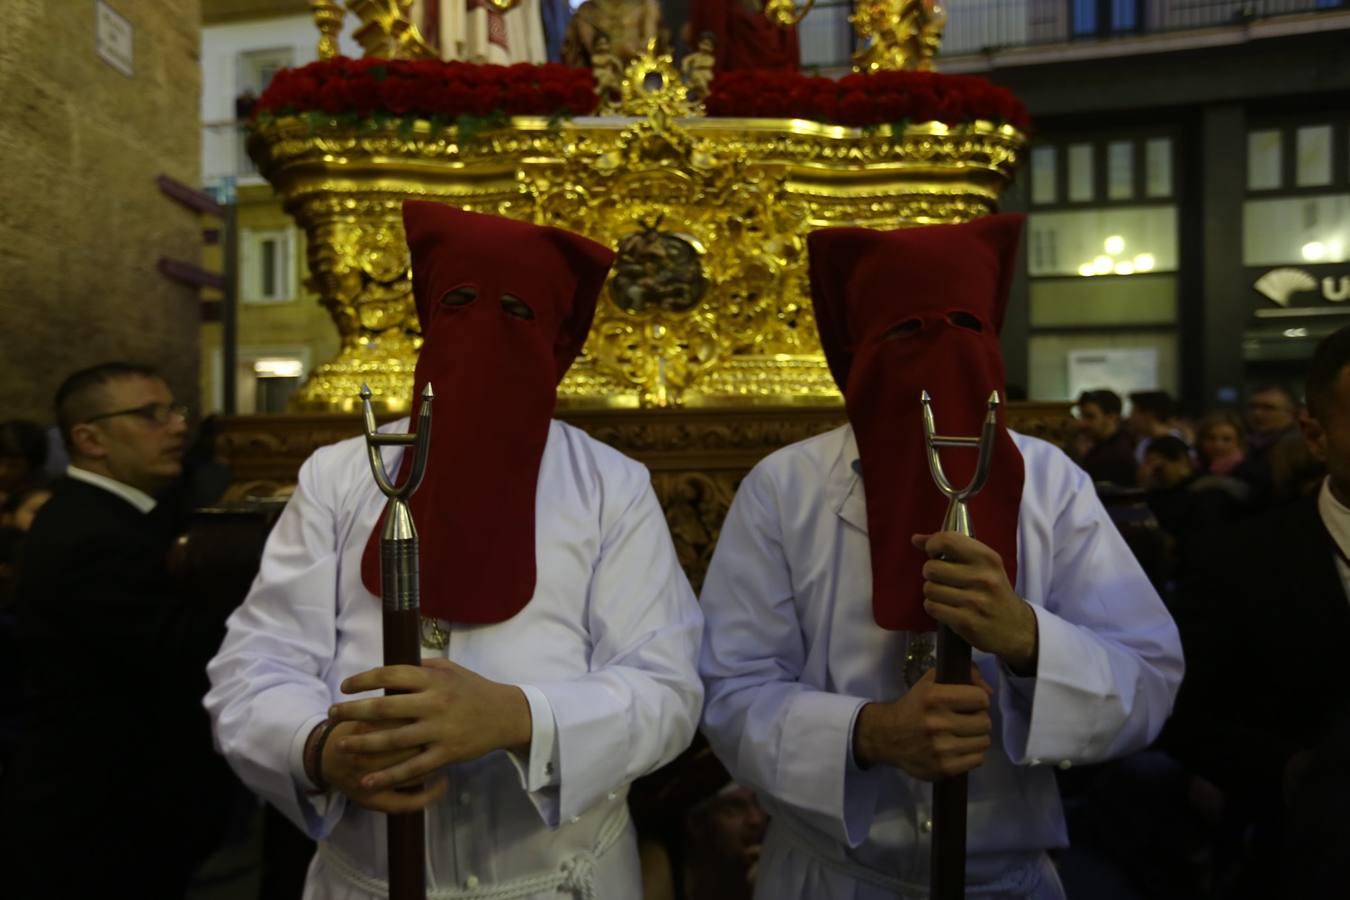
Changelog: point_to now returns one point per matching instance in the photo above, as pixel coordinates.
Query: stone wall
(82, 223)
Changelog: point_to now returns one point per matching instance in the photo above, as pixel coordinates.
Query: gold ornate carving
(786, 13)
(328, 16)
(740, 195)
(387, 30)
(897, 34)
(652, 87)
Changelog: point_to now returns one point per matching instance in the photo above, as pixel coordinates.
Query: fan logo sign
(1280, 285)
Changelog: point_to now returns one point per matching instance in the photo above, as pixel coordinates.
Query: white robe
(606, 652)
(792, 653)
(466, 32)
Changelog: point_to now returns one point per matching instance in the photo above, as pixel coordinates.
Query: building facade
(1188, 190)
(282, 331)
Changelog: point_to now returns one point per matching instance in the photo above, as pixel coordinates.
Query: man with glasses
(114, 783)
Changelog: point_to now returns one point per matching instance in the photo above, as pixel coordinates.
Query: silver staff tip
(994, 400)
(365, 392)
(427, 392)
(924, 398)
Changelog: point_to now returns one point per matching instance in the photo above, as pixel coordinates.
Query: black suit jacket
(115, 779)
(1265, 622)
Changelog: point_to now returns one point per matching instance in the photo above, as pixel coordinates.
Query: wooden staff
(402, 615)
(948, 860)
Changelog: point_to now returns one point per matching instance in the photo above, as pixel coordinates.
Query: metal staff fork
(399, 587)
(948, 860)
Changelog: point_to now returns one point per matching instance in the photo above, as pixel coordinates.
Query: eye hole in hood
(967, 321)
(459, 297)
(514, 306)
(904, 329)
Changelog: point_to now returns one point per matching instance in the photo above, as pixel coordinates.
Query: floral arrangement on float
(476, 96)
(879, 98)
(472, 96)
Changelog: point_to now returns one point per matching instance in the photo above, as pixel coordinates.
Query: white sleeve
(539, 769)
(267, 690)
(772, 732)
(637, 707)
(1109, 660)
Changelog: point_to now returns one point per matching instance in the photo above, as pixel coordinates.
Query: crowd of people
(1236, 520)
(777, 734)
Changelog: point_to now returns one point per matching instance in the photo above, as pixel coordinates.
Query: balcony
(987, 26)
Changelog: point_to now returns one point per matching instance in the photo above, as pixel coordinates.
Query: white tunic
(792, 653)
(466, 33)
(606, 652)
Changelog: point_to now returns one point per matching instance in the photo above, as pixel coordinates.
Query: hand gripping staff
(402, 641)
(948, 861)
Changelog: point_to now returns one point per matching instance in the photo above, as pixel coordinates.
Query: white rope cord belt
(576, 875)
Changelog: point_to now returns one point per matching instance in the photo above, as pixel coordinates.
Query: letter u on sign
(1336, 290)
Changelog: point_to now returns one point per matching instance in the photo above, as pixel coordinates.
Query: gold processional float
(704, 355)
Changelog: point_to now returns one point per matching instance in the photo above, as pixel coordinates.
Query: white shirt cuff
(298, 742)
(540, 769)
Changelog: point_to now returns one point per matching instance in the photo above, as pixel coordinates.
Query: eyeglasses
(156, 413)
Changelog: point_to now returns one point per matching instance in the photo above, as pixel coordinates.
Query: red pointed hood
(505, 307)
(900, 312)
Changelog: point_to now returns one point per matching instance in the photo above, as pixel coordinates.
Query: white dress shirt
(792, 653)
(606, 652)
(1336, 517)
(136, 497)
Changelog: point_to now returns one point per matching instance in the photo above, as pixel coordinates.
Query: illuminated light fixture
(1103, 265)
(1115, 245)
(1313, 251)
(1124, 268)
(1295, 332)
(277, 368)
(1086, 270)
(1144, 262)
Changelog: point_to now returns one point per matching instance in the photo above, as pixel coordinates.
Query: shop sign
(1280, 286)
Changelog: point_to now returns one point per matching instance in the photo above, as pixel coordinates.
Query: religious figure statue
(898, 34)
(607, 68)
(657, 270)
(743, 36)
(477, 31)
(629, 25)
(698, 67)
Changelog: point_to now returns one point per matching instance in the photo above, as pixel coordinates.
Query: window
(256, 68)
(1158, 167)
(1057, 361)
(825, 35)
(1127, 240)
(1264, 160)
(1313, 168)
(1044, 176)
(1103, 303)
(267, 271)
(275, 380)
(1080, 173)
(1120, 170)
(1296, 230)
(1104, 16)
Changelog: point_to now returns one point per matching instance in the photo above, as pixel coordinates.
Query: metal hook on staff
(376, 439)
(958, 516)
(948, 860)
(401, 594)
